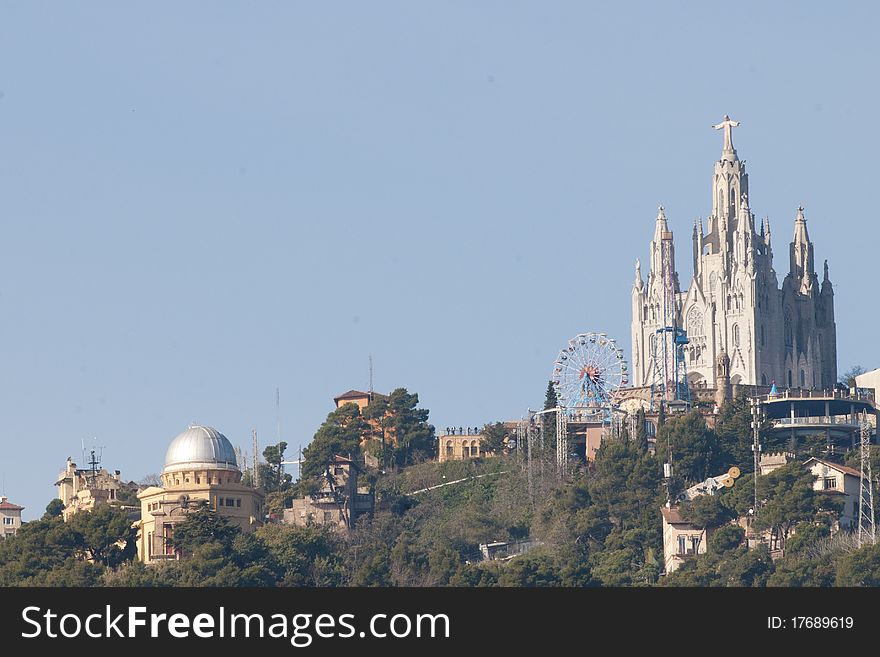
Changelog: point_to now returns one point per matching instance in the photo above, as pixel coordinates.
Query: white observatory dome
(200, 448)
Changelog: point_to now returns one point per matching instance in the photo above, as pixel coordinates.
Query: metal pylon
(561, 441)
(867, 534)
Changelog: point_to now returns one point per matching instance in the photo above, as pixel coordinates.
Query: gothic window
(736, 335)
(763, 379)
(762, 335)
(652, 344)
(789, 378)
(728, 302)
(803, 380)
(786, 323)
(695, 322)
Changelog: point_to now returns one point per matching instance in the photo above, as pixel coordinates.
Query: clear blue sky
(202, 201)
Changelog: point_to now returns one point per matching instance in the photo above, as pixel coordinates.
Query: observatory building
(200, 465)
(734, 318)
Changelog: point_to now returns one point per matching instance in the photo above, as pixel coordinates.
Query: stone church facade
(734, 309)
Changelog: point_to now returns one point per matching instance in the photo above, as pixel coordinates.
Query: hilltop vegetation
(600, 526)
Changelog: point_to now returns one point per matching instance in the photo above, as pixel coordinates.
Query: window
(681, 545)
(230, 501)
(736, 335)
(695, 322)
(328, 516)
(789, 378)
(168, 534)
(339, 470)
(8, 521)
(803, 379)
(695, 544)
(448, 448)
(829, 483)
(198, 480)
(238, 502)
(789, 337)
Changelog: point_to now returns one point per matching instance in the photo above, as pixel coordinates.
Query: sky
(202, 202)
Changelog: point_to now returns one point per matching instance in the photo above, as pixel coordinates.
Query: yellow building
(200, 465)
(459, 446)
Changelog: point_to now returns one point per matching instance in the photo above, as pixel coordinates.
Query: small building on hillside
(461, 445)
(82, 489)
(838, 480)
(10, 517)
(338, 503)
(681, 539)
(773, 461)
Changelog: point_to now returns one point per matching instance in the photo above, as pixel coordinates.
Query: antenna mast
(256, 475)
(866, 487)
(371, 379)
(278, 413)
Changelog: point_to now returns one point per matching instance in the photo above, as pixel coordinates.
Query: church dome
(200, 448)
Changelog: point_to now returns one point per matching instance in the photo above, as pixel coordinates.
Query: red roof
(672, 515)
(8, 506)
(358, 394)
(836, 466)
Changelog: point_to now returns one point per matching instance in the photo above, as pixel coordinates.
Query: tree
(340, 433)
(848, 378)
(734, 430)
(493, 435)
(105, 535)
(859, 568)
(693, 449)
(272, 475)
(787, 498)
(641, 433)
(203, 525)
(706, 511)
(726, 538)
(548, 420)
(54, 509)
(414, 438)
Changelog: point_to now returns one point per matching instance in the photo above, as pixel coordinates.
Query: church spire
(801, 247)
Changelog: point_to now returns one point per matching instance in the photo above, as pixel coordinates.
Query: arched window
(694, 324)
(789, 378)
(475, 448)
(736, 335)
(803, 379)
(449, 448)
(786, 323)
(763, 379)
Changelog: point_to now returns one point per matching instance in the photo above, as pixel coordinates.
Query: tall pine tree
(549, 419)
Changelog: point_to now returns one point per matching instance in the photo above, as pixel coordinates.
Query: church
(734, 320)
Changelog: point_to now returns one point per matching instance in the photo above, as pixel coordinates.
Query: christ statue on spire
(726, 125)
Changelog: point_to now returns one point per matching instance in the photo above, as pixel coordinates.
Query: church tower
(734, 309)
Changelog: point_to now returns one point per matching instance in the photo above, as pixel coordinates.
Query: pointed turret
(638, 284)
(801, 257)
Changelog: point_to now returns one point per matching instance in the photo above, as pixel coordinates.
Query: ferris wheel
(588, 372)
